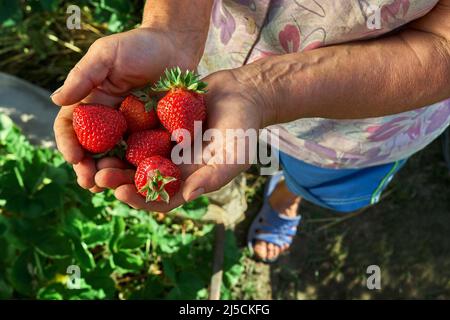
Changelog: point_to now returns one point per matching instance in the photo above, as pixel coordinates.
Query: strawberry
(139, 111)
(184, 102)
(157, 179)
(144, 144)
(98, 128)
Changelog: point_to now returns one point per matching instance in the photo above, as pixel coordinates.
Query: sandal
(274, 227)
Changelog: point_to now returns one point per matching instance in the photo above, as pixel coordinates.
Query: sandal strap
(274, 222)
(275, 228)
(271, 238)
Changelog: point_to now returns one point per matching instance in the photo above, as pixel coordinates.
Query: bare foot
(286, 203)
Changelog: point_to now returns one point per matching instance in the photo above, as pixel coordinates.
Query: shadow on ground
(407, 235)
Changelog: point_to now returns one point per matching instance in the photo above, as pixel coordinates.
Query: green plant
(48, 223)
(36, 45)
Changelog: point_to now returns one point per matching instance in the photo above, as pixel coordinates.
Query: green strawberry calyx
(175, 78)
(155, 186)
(149, 102)
(117, 151)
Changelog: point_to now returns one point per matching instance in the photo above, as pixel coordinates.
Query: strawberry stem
(150, 104)
(174, 78)
(155, 186)
(117, 151)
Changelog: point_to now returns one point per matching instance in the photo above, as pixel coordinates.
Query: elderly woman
(355, 88)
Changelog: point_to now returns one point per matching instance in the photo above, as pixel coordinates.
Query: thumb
(208, 178)
(87, 74)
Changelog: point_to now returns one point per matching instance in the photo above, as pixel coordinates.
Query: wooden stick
(219, 247)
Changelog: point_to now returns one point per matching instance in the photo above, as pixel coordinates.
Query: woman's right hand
(112, 67)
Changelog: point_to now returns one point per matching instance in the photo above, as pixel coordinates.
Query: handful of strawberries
(147, 131)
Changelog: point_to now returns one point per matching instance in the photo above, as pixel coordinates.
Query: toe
(270, 251)
(276, 252)
(260, 249)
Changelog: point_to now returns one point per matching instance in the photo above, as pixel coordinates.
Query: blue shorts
(341, 190)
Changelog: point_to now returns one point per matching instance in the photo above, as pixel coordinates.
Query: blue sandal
(277, 229)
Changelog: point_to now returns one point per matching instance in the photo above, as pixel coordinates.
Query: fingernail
(56, 91)
(196, 193)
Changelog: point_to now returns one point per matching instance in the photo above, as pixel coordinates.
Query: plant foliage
(48, 223)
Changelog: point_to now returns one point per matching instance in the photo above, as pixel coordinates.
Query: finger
(188, 169)
(96, 189)
(112, 178)
(111, 162)
(66, 140)
(99, 96)
(87, 74)
(207, 179)
(85, 171)
(128, 194)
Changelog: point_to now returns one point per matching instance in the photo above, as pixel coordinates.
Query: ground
(407, 235)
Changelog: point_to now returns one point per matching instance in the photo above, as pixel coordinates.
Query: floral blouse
(243, 31)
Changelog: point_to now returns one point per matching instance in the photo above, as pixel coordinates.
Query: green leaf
(136, 237)
(232, 266)
(83, 256)
(100, 278)
(3, 227)
(49, 5)
(6, 290)
(169, 270)
(10, 12)
(127, 260)
(232, 254)
(57, 291)
(20, 276)
(58, 175)
(52, 244)
(52, 292)
(73, 222)
(195, 209)
(118, 231)
(116, 5)
(96, 234)
(188, 287)
(153, 289)
(48, 199)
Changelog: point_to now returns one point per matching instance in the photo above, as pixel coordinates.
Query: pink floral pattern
(243, 31)
(289, 38)
(393, 10)
(223, 20)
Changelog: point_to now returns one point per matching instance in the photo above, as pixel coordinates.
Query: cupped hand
(231, 104)
(112, 67)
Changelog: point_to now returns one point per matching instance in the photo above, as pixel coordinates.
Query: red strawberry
(139, 111)
(98, 128)
(157, 179)
(144, 144)
(184, 102)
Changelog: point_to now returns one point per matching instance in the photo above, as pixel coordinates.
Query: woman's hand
(231, 104)
(110, 69)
